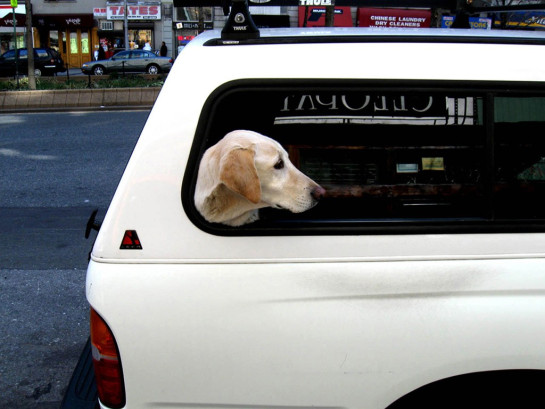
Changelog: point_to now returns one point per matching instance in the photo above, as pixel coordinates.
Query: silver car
(129, 61)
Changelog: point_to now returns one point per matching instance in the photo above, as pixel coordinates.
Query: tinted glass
(403, 156)
(9, 55)
(519, 187)
(41, 53)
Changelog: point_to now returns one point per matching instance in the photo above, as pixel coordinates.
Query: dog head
(246, 171)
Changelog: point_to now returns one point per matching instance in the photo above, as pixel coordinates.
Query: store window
(54, 40)
(194, 13)
(141, 39)
(7, 43)
(85, 42)
(74, 42)
(401, 160)
(63, 42)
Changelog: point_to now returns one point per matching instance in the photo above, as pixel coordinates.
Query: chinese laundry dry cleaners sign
(368, 17)
(138, 11)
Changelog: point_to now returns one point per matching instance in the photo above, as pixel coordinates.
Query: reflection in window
(41, 53)
(85, 43)
(63, 50)
(54, 40)
(9, 55)
(194, 13)
(74, 43)
(520, 156)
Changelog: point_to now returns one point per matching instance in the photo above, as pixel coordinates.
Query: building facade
(77, 28)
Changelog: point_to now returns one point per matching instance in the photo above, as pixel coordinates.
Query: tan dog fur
(246, 171)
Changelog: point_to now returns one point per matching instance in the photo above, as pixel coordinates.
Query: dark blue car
(47, 61)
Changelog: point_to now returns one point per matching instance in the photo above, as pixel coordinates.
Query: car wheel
(37, 72)
(153, 69)
(98, 70)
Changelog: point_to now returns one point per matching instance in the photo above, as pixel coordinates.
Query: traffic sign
(13, 3)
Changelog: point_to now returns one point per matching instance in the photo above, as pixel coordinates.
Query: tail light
(108, 372)
(171, 61)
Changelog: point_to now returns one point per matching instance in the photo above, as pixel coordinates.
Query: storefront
(482, 23)
(142, 18)
(189, 21)
(520, 20)
(315, 16)
(6, 32)
(70, 34)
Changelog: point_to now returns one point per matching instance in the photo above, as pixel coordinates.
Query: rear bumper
(82, 391)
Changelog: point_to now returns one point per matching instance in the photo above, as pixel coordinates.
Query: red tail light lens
(108, 372)
(171, 61)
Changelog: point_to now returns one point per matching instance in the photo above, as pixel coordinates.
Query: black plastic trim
(376, 38)
(82, 390)
(510, 388)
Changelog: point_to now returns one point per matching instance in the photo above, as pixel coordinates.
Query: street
(55, 168)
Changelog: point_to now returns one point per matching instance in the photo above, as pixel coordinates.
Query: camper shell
(418, 279)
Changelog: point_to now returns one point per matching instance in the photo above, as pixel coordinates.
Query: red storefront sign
(394, 18)
(316, 17)
(135, 12)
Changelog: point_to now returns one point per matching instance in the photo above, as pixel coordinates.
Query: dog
(246, 171)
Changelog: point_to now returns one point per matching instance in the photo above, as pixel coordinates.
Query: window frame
(488, 89)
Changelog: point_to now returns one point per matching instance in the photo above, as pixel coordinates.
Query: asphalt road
(54, 169)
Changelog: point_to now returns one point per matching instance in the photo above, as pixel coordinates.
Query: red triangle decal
(130, 241)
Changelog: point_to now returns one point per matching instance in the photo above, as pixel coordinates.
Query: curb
(59, 100)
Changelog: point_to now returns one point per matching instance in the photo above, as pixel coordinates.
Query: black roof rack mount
(240, 25)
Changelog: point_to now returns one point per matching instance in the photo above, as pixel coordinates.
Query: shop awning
(7, 20)
(62, 21)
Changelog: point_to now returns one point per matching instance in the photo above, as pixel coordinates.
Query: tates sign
(135, 12)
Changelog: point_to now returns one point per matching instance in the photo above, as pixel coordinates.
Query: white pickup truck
(418, 279)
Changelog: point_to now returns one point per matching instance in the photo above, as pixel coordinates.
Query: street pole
(126, 23)
(30, 46)
(330, 16)
(15, 42)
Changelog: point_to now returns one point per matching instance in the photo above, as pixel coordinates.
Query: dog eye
(279, 164)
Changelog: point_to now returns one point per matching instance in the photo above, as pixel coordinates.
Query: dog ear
(239, 174)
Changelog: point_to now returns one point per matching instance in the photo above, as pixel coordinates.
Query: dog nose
(318, 193)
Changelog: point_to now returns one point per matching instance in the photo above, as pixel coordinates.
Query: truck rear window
(393, 158)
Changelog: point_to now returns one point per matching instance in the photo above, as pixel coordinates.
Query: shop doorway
(79, 50)
(73, 45)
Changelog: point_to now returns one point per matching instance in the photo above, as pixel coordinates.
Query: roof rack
(240, 25)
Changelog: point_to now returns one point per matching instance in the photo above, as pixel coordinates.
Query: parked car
(129, 61)
(47, 61)
(418, 279)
